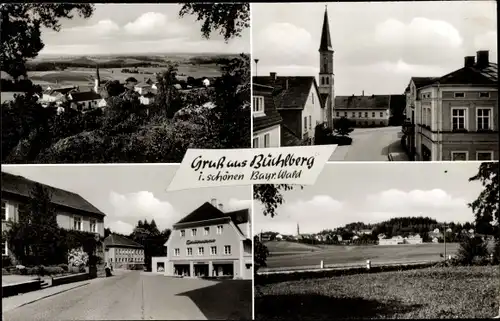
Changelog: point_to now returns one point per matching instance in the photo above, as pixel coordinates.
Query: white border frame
(492, 153)
(460, 152)
(466, 121)
(490, 118)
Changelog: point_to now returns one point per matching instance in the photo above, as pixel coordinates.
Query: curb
(52, 294)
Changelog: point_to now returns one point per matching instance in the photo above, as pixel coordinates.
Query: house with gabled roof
(122, 252)
(84, 101)
(297, 99)
(364, 111)
(456, 115)
(73, 212)
(209, 242)
(266, 118)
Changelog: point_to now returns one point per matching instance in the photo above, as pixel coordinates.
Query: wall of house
(66, 220)
(274, 136)
(122, 257)
(368, 117)
(313, 111)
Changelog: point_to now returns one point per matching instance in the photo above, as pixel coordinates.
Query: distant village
(344, 236)
(87, 99)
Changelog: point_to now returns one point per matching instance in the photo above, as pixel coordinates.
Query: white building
(84, 101)
(266, 119)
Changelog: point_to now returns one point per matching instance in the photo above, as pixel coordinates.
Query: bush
(472, 251)
(54, 270)
(64, 267)
(6, 261)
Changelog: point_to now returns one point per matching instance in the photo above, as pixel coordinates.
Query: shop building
(209, 242)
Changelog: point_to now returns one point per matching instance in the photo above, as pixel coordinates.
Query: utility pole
(444, 237)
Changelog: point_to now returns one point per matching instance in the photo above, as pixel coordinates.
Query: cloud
(153, 23)
(130, 208)
(401, 67)
(237, 204)
(121, 227)
(487, 41)
(420, 31)
(416, 199)
(283, 42)
(295, 70)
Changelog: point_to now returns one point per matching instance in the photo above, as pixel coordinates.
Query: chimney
(213, 201)
(482, 58)
(273, 76)
(221, 207)
(469, 61)
(363, 93)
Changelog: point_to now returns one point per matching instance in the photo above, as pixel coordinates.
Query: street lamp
(256, 62)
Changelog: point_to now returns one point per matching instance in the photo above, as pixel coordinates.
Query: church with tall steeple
(326, 75)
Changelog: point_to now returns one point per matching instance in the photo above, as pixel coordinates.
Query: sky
(374, 192)
(378, 46)
(136, 29)
(129, 193)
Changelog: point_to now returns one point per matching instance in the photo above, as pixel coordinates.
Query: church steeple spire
(97, 81)
(326, 42)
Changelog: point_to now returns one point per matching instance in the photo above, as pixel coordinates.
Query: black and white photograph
(385, 81)
(380, 241)
(123, 83)
(107, 242)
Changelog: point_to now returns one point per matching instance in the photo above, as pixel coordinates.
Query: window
(484, 156)
(459, 95)
(353, 114)
(359, 114)
(484, 95)
(177, 252)
(5, 216)
(213, 250)
(227, 249)
(258, 106)
(310, 123)
(373, 114)
(183, 233)
(484, 118)
(193, 232)
(458, 118)
(459, 156)
(93, 226)
(345, 113)
(338, 114)
(312, 98)
(219, 229)
(305, 123)
(77, 223)
(267, 140)
(206, 230)
(327, 80)
(201, 250)
(366, 114)
(255, 142)
(189, 251)
(381, 114)
(5, 250)
(322, 80)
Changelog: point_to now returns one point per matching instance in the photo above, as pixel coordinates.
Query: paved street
(370, 144)
(139, 295)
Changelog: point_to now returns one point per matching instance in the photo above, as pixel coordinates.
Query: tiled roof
(209, 212)
(474, 75)
(62, 90)
(114, 240)
(363, 102)
(85, 96)
(423, 81)
(22, 186)
(272, 116)
(293, 96)
(288, 137)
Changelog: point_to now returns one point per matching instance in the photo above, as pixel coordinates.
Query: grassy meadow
(444, 292)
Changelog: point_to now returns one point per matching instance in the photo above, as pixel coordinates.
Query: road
(370, 144)
(143, 296)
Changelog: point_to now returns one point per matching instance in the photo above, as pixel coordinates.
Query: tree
(260, 253)
(271, 196)
(343, 127)
(21, 25)
(230, 19)
(35, 237)
(472, 248)
(167, 100)
(485, 207)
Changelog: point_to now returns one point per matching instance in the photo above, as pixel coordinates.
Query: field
(77, 74)
(293, 255)
(453, 292)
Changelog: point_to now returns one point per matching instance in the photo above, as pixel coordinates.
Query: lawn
(282, 255)
(453, 292)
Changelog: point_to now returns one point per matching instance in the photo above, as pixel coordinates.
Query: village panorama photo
(123, 83)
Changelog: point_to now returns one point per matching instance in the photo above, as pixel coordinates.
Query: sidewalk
(16, 301)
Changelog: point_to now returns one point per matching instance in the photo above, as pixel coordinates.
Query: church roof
(326, 42)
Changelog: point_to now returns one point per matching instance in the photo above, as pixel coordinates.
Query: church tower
(326, 76)
(298, 230)
(97, 80)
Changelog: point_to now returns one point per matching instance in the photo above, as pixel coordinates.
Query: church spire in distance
(326, 42)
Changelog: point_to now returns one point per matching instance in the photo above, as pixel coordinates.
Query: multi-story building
(266, 119)
(122, 252)
(364, 110)
(72, 210)
(456, 115)
(209, 243)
